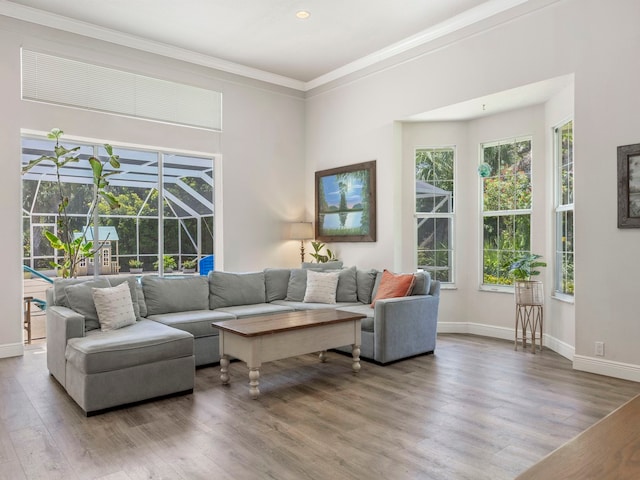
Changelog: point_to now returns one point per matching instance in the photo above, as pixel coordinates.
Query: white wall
(354, 120)
(262, 146)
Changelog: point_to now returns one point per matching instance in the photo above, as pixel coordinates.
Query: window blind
(61, 81)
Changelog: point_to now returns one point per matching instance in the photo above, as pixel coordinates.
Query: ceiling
(264, 39)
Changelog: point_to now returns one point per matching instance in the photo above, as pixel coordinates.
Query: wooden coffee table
(265, 338)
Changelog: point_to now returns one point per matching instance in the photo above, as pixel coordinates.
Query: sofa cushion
(255, 309)
(366, 325)
(230, 289)
(60, 284)
(276, 281)
(196, 322)
(141, 343)
(175, 294)
(79, 297)
(114, 306)
(365, 280)
(394, 285)
(321, 287)
(334, 265)
(422, 284)
(297, 285)
(347, 285)
(142, 304)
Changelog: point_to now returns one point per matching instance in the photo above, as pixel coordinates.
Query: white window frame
(496, 213)
(435, 215)
(560, 209)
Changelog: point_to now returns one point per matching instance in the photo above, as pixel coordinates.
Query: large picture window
(563, 141)
(506, 207)
(165, 215)
(435, 183)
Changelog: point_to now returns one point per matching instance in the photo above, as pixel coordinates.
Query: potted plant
(168, 263)
(322, 258)
(188, 266)
(528, 292)
(135, 266)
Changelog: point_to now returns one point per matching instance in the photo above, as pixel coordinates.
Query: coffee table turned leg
(224, 369)
(355, 351)
(254, 376)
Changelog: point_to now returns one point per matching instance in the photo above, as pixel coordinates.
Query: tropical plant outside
(74, 248)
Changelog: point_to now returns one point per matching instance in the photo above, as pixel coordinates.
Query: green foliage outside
(435, 166)
(506, 205)
(74, 249)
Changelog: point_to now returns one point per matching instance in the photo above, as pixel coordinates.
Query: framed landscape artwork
(629, 186)
(346, 203)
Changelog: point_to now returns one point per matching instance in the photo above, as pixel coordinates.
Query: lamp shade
(301, 231)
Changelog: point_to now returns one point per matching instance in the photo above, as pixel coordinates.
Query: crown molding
(451, 25)
(460, 21)
(66, 24)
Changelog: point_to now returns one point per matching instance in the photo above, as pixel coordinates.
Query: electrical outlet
(600, 349)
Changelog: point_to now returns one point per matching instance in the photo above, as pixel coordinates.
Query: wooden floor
(475, 410)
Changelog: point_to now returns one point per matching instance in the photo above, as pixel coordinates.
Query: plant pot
(135, 270)
(529, 292)
(188, 270)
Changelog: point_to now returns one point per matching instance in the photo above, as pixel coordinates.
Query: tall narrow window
(506, 207)
(563, 140)
(434, 211)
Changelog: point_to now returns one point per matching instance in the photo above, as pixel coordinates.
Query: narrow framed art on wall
(629, 186)
(346, 203)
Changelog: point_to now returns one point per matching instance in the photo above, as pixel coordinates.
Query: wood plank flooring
(476, 409)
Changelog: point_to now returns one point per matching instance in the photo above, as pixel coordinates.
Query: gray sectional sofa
(156, 355)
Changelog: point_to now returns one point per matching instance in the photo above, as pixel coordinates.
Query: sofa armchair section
(156, 355)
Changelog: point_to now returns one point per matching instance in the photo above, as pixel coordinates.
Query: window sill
(496, 289)
(564, 298)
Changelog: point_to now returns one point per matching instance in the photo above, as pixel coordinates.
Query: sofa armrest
(405, 326)
(62, 324)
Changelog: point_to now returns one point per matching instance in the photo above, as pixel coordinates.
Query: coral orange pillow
(394, 285)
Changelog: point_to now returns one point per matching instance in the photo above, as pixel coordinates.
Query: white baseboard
(11, 350)
(609, 368)
(504, 333)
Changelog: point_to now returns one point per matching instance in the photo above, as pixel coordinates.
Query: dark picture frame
(629, 186)
(346, 203)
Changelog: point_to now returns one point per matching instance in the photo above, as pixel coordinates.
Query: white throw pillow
(114, 307)
(321, 287)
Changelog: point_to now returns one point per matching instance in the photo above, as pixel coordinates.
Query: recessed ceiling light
(303, 14)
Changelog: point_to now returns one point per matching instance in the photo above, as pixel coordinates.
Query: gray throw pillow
(422, 283)
(347, 285)
(276, 281)
(231, 289)
(365, 280)
(175, 294)
(79, 297)
(297, 285)
(59, 285)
